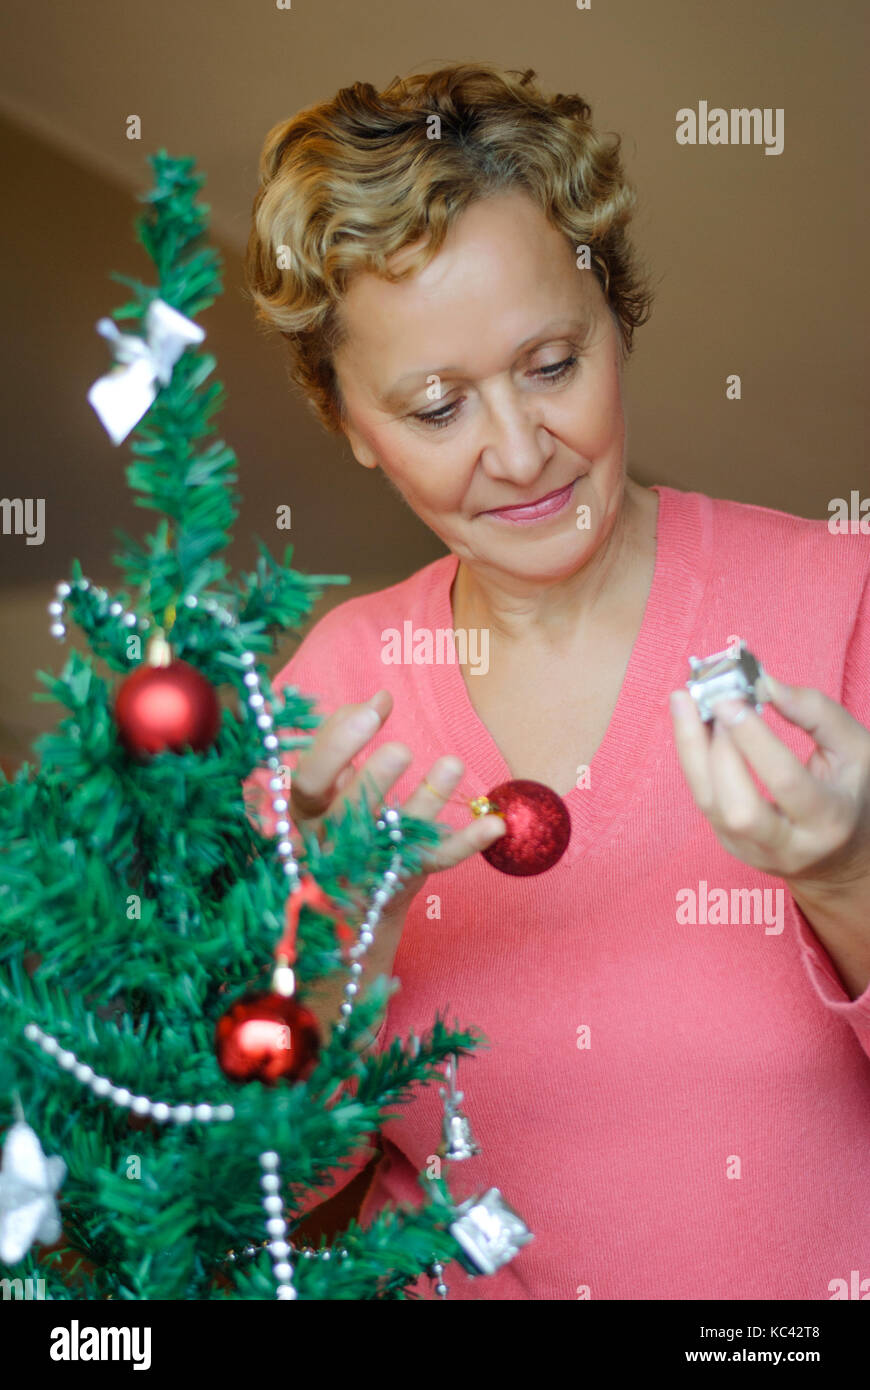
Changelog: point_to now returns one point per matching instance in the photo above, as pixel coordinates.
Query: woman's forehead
(496, 270)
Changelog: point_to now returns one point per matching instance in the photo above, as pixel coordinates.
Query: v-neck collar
(640, 727)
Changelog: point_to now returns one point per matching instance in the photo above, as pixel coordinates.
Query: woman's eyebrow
(405, 384)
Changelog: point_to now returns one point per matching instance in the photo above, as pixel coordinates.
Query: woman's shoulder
(406, 598)
(770, 539)
(778, 519)
(343, 647)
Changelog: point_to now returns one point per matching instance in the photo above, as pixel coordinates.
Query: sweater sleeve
(825, 980)
(817, 962)
(313, 671)
(856, 671)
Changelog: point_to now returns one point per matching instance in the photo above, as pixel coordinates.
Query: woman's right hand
(325, 774)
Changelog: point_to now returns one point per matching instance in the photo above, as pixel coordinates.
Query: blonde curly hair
(346, 184)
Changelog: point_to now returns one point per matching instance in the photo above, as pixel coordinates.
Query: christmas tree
(167, 1101)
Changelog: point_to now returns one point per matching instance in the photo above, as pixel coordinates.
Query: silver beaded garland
(276, 1226)
(115, 609)
(388, 886)
(281, 1248)
(438, 1273)
(103, 1087)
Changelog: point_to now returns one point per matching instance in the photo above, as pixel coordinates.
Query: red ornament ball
(166, 708)
(267, 1037)
(538, 828)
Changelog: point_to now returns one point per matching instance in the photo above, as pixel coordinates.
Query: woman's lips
(545, 506)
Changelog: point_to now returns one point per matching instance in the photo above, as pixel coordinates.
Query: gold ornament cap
(283, 978)
(159, 651)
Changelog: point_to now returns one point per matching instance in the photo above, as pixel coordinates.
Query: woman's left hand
(817, 834)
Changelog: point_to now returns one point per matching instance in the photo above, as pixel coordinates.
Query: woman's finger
(346, 775)
(429, 799)
(832, 727)
(434, 791)
(798, 794)
(336, 743)
(740, 807)
(375, 778)
(471, 839)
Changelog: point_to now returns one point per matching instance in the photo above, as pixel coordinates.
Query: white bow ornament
(123, 396)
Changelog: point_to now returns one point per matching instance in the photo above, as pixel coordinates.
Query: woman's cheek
(600, 423)
(433, 481)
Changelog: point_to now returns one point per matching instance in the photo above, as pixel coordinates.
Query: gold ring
(434, 790)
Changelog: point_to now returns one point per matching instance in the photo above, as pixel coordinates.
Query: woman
(675, 1099)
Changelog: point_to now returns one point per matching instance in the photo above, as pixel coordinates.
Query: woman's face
(525, 353)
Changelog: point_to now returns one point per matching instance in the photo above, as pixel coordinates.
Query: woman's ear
(362, 452)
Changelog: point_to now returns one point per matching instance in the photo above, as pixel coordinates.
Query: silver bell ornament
(458, 1142)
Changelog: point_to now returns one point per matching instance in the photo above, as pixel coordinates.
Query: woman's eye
(558, 369)
(436, 419)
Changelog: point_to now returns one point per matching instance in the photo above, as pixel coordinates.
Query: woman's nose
(515, 444)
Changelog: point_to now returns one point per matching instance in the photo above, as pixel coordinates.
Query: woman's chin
(557, 558)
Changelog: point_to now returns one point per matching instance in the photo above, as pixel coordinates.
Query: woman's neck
(557, 612)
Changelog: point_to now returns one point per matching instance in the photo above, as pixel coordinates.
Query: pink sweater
(678, 1106)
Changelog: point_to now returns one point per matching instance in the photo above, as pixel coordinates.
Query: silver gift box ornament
(730, 674)
(489, 1231)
